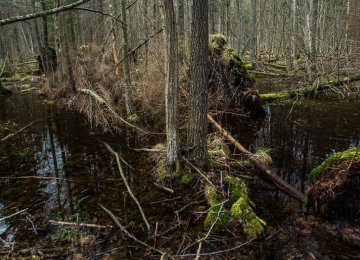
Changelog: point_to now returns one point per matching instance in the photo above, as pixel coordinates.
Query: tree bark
(171, 89)
(198, 67)
(253, 31)
(128, 92)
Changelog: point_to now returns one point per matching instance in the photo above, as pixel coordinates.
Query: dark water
(61, 145)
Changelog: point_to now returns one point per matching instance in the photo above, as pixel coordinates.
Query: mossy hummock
(336, 158)
(240, 211)
(335, 191)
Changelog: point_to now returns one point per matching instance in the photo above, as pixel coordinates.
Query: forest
(179, 129)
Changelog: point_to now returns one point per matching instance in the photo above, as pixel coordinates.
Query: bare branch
(60, 9)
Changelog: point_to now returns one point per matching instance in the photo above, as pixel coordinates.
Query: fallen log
(270, 173)
(309, 91)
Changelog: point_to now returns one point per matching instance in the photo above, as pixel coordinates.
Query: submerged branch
(123, 229)
(19, 131)
(127, 185)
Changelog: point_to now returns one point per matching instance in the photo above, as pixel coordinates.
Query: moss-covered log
(335, 191)
(308, 91)
(229, 82)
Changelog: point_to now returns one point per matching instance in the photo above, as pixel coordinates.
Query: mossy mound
(220, 216)
(335, 192)
(336, 158)
(230, 82)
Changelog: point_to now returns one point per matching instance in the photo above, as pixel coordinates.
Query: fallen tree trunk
(270, 173)
(326, 86)
(308, 91)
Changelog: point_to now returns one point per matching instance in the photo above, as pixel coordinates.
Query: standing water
(59, 169)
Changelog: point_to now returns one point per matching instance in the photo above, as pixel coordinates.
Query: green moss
(217, 41)
(249, 66)
(274, 96)
(216, 211)
(338, 157)
(237, 187)
(249, 221)
(184, 178)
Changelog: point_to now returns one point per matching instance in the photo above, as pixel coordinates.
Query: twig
(164, 188)
(149, 150)
(165, 200)
(196, 169)
(63, 223)
(34, 177)
(219, 252)
(19, 131)
(123, 229)
(127, 185)
(14, 214)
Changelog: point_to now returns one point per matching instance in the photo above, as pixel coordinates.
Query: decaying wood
(73, 224)
(127, 185)
(19, 131)
(277, 180)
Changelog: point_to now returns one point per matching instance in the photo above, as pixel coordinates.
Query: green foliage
(237, 187)
(350, 154)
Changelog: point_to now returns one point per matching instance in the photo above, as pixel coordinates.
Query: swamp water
(72, 173)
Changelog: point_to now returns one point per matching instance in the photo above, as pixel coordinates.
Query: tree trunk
(198, 67)
(171, 89)
(128, 92)
(253, 31)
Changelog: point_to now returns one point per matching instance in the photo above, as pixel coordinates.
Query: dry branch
(73, 224)
(14, 214)
(140, 45)
(60, 9)
(277, 180)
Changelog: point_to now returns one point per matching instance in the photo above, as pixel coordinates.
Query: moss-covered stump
(230, 83)
(335, 192)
